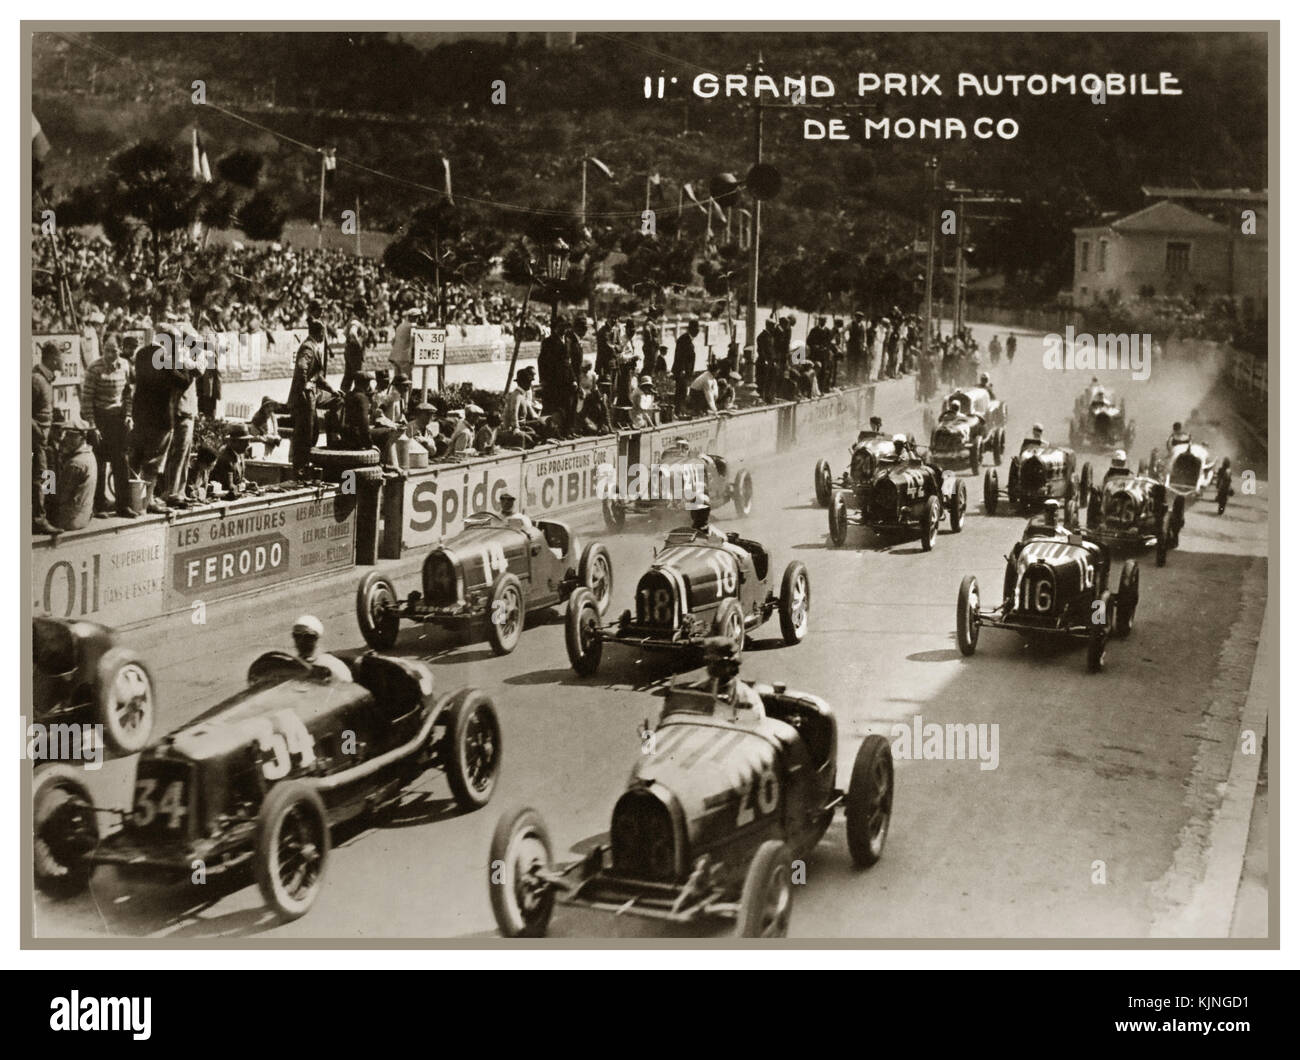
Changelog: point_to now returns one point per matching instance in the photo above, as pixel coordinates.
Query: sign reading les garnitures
(219, 556)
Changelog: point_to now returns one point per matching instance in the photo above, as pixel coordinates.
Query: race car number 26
(760, 797)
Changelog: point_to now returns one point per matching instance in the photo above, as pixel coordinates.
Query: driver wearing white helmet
(307, 632)
(1118, 464)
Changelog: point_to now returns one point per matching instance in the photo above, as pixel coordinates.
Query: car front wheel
(473, 748)
(582, 633)
(968, 609)
(378, 625)
(64, 832)
(505, 613)
(293, 845)
(869, 803)
(522, 902)
(767, 895)
(795, 598)
(124, 701)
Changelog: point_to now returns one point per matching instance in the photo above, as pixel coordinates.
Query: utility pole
(933, 166)
(320, 217)
(357, 222)
(751, 310)
(584, 191)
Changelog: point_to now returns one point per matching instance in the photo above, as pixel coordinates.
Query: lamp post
(557, 269)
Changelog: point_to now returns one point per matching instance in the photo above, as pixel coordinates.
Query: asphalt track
(1097, 821)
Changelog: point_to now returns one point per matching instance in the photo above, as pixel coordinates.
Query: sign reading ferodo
(219, 556)
(565, 478)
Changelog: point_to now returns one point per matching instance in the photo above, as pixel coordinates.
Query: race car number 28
(760, 797)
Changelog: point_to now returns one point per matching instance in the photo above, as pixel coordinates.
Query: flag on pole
(40, 145)
(446, 171)
(690, 194)
(200, 169)
(601, 166)
(329, 162)
(655, 179)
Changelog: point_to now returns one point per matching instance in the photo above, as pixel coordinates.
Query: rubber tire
(123, 741)
(1094, 509)
(581, 608)
(1126, 607)
(1098, 637)
(1071, 514)
(957, 509)
(968, 627)
(991, 492)
(511, 921)
(976, 455)
(333, 462)
(863, 801)
(742, 493)
(723, 617)
(614, 514)
(822, 483)
(1013, 479)
(770, 866)
(1162, 543)
(594, 554)
(52, 789)
(1085, 480)
(505, 643)
(381, 636)
(837, 516)
(464, 706)
(283, 797)
(793, 631)
(931, 517)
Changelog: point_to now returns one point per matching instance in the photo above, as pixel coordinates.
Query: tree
(149, 186)
(262, 216)
(442, 242)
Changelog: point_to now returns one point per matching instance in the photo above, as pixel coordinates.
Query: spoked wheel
(614, 514)
(472, 748)
(931, 517)
(837, 516)
(795, 598)
(743, 493)
(991, 492)
(957, 508)
(124, 701)
(767, 896)
(64, 832)
(596, 572)
(729, 622)
(1099, 635)
(968, 610)
(869, 803)
(293, 844)
(822, 483)
(1126, 604)
(522, 902)
(582, 638)
(378, 625)
(505, 613)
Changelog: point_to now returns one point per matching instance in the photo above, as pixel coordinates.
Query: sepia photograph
(640, 486)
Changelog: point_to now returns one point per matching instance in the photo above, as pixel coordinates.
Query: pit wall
(127, 573)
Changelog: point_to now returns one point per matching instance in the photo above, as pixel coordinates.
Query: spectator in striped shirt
(106, 391)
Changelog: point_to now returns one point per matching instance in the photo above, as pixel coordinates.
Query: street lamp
(557, 261)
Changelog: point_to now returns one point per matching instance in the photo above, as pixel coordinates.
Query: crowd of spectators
(232, 287)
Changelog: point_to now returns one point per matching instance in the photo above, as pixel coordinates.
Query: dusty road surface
(1096, 822)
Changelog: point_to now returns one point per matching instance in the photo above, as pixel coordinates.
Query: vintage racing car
(698, 586)
(735, 783)
(901, 492)
(1133, 511)
(1099, 423)
(682, 473)
(870, 448)
(1039, 472)
(1056, 585)
(1187, 469)
(490, 575)
(265, 775)
(82, 676)
(960, 439)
